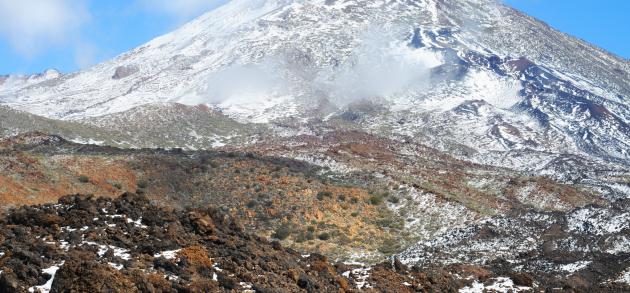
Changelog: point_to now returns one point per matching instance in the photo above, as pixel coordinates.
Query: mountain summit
(318, 43)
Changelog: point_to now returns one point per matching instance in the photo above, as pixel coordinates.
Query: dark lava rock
(9, 283)
(90, 276)
(130, 245)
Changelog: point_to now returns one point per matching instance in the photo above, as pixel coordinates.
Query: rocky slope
(374, 199)
(588, 245)
(490, 227)
(83, 244)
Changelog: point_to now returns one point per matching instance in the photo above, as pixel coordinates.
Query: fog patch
(242, 83)
(383, 64)
(380, 67)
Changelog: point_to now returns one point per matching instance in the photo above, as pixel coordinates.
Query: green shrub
(304, 236)
(84, 179)
(393, 199)
(355, 214)
(323, 236)
(300, 238)
(310, 236)
(282, 232)
(341, 197)
(376, 200)
(323, 194)
(252, 204)
(390, 246)
(393, 223)
(118, 185)
(142, 184)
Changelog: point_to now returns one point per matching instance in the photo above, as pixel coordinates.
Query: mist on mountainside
(383, 64)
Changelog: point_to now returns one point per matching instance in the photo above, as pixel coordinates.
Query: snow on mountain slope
(581, 236)
(317, 34)
(473, 77)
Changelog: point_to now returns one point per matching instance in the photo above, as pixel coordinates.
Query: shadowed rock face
(124, 71)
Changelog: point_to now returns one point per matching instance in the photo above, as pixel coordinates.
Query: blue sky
(605, 23)
(71, 34)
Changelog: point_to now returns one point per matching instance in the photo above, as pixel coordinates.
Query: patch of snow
(598, 221)
(52, 271)
(64, 245)
(137, 223)
(246, 286)
(359, 276)
(500, 92)
(118, 252)
(325, 162)
(622, 188)
(87, 141)
(501, 284)
(116, 266)
(620, 244)
(624, 277)
(194, 134)
(171, 254)
(574, 267)
(353, 263)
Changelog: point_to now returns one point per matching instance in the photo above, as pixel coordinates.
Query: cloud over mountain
(32, 25)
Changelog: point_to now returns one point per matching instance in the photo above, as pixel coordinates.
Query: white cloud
(31, 26)
(381, 66)
(182, 9)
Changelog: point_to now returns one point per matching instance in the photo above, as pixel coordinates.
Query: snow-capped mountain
(437, 132)
(474, 78)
